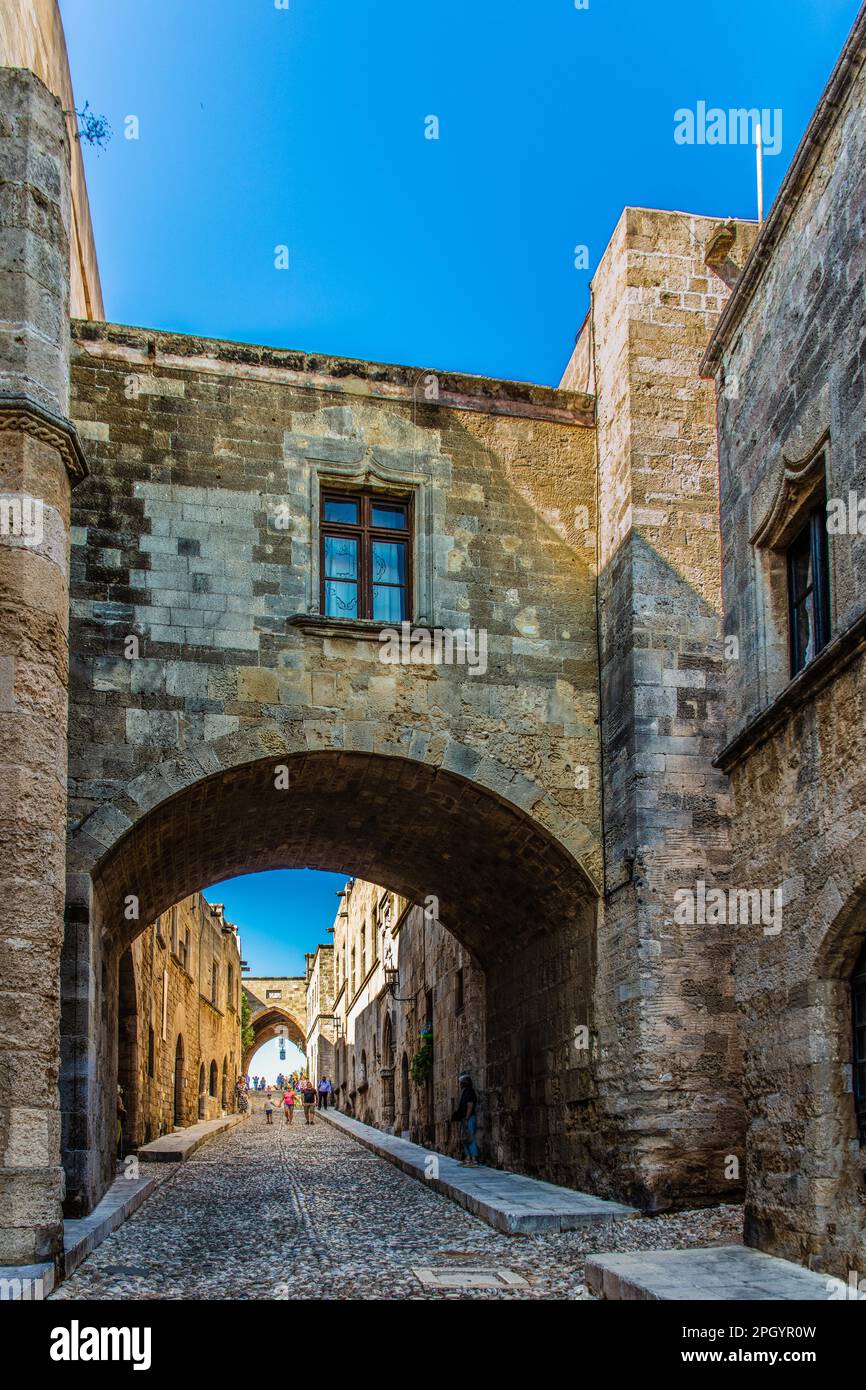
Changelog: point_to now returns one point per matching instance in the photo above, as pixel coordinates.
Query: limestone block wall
(667, 1053)
(791, 378)
(31, 37)
(171, 964)
(440, 994)
(198, 448)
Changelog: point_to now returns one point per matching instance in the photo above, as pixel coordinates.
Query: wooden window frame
(818, 596)
(365, 533)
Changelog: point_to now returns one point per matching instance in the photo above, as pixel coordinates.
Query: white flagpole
(759, 158)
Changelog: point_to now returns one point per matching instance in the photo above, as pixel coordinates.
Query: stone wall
(668, 1065)
(790, 363)
(438, 1001)
(167, 993)
(200, 451)
(31, 37)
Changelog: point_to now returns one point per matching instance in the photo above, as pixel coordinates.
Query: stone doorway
(178, 1083)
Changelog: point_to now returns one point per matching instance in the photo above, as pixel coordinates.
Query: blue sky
(304, 127)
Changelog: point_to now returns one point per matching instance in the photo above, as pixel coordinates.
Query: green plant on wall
(247, 1034)
(421, 1066)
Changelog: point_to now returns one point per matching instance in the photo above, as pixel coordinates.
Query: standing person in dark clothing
(467, 1114)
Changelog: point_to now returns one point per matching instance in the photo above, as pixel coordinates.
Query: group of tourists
(300, 1090)
(309, 1096)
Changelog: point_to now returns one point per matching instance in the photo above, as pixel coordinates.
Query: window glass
(339, 509)
(388, 515)
(341, 558)
(389, 604)
(341, 600)
(389, 562)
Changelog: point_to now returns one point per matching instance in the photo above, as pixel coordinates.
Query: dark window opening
(366, 557)
(458, 1003)
(858, 1000)
(809, 590)
(151, 1052)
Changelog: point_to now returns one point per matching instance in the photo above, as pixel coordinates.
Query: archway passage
(425, 832)
(272, 1023)
(501, 882)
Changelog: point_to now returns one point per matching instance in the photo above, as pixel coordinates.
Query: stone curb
(509, 1202)
(177, 1146)
(82, 1235)
(722, 1273)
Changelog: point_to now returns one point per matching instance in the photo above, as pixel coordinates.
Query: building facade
(178, 1022)
(470, 640)
(789, 358)
(395, 1013)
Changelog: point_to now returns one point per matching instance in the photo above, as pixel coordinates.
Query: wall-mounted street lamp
(392, 979)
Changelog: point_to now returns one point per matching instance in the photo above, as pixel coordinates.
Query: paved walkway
(508, 1201)
(299, 1211)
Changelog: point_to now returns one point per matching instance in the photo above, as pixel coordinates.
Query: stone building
(278, 1009)
(228, 534)
(320, 1013)
(178, 1021)
(789, 358)
(395, 1012)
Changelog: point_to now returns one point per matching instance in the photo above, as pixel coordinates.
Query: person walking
(324, 1092)
(308, 1096)
(467, 1114)
(269, 1111)
(289, 1105)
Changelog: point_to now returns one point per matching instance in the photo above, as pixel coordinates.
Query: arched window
(212, 1087)
(858, 1000)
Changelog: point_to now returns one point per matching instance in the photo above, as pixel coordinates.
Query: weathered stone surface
(791, 378)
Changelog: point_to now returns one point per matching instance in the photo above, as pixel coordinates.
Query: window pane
(341, 600)
(389, 562)
(801, 565)
(341, 558)
(339, 510)
(389, 604)
(383, 515)
(804, 644)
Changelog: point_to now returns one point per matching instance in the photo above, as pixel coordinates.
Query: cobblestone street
(296, 1211)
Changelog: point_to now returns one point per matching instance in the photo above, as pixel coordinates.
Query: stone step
(718, 1273)
(82, 1235)
(177, 1146)
(507, 1201)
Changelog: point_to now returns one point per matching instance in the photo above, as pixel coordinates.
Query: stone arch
(202, 1092)
(213, 1080)
(273, 1022)
(388, 1089)
(496, 857)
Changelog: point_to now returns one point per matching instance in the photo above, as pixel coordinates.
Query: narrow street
(306, 1212)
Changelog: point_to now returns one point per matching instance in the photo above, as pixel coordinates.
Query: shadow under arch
(423, 831)
(511, 891)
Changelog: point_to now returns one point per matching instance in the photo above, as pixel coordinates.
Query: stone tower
(40, 459)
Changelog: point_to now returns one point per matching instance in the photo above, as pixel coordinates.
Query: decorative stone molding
(827, 666)
(798, 484)
(372, 469)
(21, 414)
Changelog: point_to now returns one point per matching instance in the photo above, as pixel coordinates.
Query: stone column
(40, 458)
